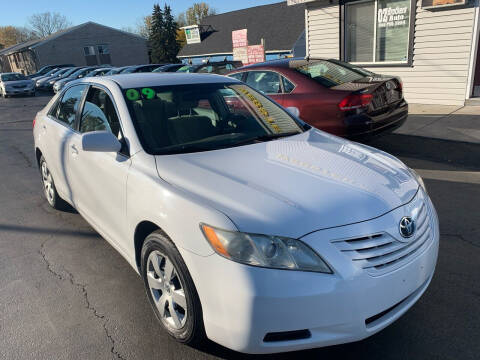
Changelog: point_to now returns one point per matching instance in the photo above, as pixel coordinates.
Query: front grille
(380, 253)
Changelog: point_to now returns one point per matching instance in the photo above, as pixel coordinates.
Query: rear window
(330, 74)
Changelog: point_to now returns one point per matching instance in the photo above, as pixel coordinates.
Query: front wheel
(171, 290)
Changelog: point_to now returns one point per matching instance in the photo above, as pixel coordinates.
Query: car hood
(18, 82)
(295, 185)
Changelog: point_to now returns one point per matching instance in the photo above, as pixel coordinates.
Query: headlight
(418, 178)
(264, 251)
(51, 82)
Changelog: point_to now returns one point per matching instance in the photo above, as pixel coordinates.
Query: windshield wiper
(266, 137)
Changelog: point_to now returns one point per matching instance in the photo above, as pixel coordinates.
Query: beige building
(433, 45)
(86, 44)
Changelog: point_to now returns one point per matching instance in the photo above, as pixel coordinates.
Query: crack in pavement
(23, 155)
(83, 289)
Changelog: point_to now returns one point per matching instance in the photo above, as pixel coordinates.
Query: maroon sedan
(331, 95)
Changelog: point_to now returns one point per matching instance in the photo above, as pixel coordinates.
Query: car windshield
(128, 70)
(202, 117)
(51, 72)
(13, 77)
(80, 72)
(329, 73)
(70, 71)
(60, 72)
(186, 69)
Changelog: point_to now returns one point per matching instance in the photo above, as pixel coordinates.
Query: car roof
(161, 79)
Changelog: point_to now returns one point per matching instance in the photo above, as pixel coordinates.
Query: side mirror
(100, 141)
(293, 110)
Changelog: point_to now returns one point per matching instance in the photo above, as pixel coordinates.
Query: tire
(158, 249)
(49, 189)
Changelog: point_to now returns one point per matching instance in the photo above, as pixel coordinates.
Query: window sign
(377, 31)
(428, 4)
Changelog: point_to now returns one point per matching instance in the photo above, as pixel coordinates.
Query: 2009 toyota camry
(247, 226)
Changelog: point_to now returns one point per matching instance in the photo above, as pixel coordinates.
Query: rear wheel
(49, 188)
(171, 290)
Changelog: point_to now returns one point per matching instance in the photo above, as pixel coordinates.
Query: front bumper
(23, 91)
(242, 304)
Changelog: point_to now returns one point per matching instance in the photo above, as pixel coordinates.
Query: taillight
(34, 120)
(400, 85)
(355, 101)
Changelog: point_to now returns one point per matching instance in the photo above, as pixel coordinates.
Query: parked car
(220, 67)
(80, 73)
(46, 69)
(16, 84)
(47, 74)
(246, 224)
(43, 83)
(98, 72)
(331, 95)
(168, 68)
(48, 85)
(117, 70)
(140, 68)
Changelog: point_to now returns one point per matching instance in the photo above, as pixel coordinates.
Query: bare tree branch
(47, 23)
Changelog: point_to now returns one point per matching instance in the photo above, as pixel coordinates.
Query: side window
(238, 76)
(206, 69)
(68, 106)
(267, 82)
(99, 113)
(288, 86)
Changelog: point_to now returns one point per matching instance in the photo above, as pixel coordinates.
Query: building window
(378, 31)
(103, 49)
(89, 50)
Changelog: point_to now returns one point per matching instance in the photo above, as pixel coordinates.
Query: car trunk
(386, 92)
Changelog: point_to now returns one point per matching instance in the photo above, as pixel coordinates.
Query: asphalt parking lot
(65, 293)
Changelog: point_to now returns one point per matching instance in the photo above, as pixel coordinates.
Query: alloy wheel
(48, 184)
(167, 290)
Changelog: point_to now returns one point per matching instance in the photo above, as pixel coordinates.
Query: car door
(266, 82)
(58, 130)
(99, 178)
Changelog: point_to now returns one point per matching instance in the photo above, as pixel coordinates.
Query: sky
(114, 13)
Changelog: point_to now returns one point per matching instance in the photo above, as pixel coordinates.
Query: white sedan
(16, 84)
(247, 226)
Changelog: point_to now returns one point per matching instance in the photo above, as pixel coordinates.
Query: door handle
(74, 149)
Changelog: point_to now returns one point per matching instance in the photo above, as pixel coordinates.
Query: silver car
(16, 84)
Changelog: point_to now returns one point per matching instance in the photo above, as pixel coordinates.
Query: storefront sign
(256, 54)
(390, 17)
(192, 33)
(426, 4)
(241, 54)
(239, 38)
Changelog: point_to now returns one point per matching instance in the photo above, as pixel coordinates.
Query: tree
(156, 34)
(195, 14)
(11, 35)
(171, 45)
(47, 23)
(144, 25)
(162, 35)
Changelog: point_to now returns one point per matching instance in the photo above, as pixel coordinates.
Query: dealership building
(433, 45)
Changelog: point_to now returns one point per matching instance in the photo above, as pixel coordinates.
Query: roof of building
(37, 42)
(280, 25)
